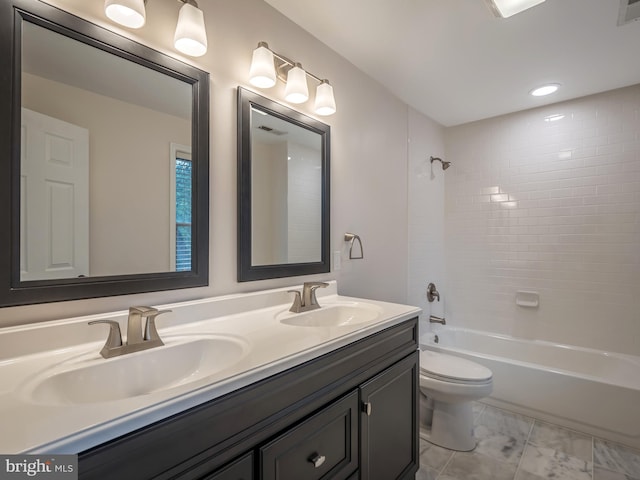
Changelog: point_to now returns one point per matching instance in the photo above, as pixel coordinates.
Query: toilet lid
(435, 364)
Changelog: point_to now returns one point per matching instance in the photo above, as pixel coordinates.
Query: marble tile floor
(515, 447)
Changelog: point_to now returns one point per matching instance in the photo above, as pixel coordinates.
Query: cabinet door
(322, 447)
(389, 422)
(241, 469)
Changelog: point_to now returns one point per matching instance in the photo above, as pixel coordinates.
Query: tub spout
(434, 319)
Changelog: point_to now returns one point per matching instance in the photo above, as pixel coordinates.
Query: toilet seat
(449, 368)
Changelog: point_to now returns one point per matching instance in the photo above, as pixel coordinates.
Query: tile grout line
(526, 445)
(446, 465)
(593, 458)
(484, 407)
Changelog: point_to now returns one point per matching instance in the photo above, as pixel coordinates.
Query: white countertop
(37, 426)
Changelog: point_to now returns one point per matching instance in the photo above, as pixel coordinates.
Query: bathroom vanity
(349, 412)
(331, 393)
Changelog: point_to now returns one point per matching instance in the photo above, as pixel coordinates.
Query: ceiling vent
(271, 130)
(629, 11)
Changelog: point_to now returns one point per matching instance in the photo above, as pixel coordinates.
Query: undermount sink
(343, 315)
(89, 378)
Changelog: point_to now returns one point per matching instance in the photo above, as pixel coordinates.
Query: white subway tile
(553, 207)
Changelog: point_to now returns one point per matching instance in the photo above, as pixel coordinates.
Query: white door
(54, 198)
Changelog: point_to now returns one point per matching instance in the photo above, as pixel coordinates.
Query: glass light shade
(325, 103)
(130, 13)
(296, 90)
(191, 36)
(507, 8)
(262, 73)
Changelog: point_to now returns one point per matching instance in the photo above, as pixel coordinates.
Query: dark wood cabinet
(350, 414)
(322, 447)
(389, 430)
(241, 469)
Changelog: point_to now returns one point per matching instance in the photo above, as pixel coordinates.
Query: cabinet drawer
(324, 446)
(241, 469)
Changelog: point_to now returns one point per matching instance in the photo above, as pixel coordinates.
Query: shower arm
(444, 163)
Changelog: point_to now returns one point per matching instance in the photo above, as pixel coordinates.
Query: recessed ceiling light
(547, 89)
(506, 8)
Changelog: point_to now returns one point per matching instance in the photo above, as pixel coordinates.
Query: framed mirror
(105, 162)
(283, 190)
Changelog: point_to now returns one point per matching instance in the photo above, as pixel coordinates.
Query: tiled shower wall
(548, 200)
(425, 213)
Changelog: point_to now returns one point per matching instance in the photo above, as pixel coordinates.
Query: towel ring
(351, 238)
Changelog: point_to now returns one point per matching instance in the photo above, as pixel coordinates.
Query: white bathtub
(587, 390)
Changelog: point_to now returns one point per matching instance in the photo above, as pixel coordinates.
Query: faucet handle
(150, 330)
(432, 293)
(313, 286)
(297, 301)
(143, 311)
(114, 339)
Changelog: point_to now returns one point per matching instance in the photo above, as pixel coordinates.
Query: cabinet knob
(317, 460)
(367, 407)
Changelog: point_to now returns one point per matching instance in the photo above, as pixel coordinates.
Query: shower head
(445, 164)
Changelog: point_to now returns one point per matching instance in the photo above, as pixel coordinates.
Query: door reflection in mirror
(122, 217)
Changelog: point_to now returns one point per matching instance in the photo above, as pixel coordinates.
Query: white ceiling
(455, 62)
(62, 59)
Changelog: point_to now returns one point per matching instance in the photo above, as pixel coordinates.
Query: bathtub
(587, 390)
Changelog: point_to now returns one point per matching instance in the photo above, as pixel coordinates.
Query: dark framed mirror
(283, 190)
(104, 164)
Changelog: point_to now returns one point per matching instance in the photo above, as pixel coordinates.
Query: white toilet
(448, 385)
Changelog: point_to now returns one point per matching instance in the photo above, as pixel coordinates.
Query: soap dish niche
(527, 299)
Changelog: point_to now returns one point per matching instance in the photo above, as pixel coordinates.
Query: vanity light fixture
(262, 73)
(267, 66)
(325, 102)
(547, 89)
(129, 13)
(507, 8)
(296, 90)
(190, 36)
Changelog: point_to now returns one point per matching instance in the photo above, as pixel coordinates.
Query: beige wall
(129, 155)
(269, 203)
(368, 154)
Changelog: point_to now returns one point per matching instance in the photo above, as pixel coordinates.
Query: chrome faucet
(434, 319)
(307, 300)
(137, 340)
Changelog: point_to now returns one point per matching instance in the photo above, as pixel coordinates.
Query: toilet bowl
(448, 386)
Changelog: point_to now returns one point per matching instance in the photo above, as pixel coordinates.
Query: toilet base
(451, 426)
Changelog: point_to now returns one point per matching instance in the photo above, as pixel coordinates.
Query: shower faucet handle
(432, 293)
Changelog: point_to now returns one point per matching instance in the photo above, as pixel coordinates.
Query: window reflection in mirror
(105, 215)
(102, 193)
